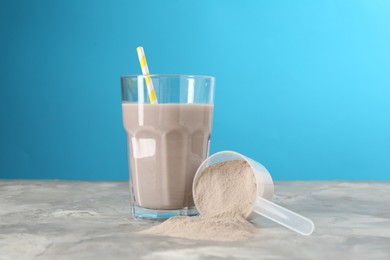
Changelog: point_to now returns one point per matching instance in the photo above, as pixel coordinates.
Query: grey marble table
(91, 220)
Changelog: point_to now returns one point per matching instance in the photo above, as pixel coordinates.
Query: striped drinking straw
(145, 71)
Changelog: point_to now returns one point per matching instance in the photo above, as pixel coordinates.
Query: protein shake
(166, 143)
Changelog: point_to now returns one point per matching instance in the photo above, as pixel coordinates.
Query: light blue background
(302, 86)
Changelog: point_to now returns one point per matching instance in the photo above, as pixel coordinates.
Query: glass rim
(167, 76)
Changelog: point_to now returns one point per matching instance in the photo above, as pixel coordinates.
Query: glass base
(140, 213)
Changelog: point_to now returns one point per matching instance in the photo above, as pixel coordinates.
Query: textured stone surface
(91, 220)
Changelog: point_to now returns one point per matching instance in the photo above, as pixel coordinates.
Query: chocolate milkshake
(166, 145)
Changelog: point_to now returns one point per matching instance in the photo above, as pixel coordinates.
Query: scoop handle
(283, 216)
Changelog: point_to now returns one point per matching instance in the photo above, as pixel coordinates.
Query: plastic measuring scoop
(265, 190)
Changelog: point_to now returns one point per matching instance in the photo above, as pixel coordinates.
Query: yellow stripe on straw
(145, 71)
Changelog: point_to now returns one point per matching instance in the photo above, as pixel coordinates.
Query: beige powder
(225, 187)
(224, 194)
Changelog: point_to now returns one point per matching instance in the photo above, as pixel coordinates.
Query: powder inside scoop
(225, 187)
(224, 194)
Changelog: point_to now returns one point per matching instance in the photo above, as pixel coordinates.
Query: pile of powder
(224, 194)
